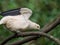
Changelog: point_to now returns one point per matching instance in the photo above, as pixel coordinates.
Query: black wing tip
(11, 12)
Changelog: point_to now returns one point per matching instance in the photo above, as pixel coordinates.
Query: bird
(21, 22)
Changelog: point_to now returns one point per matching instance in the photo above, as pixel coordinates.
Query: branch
(48, 27)
(9, 38)
(35, 34)
(45, 29)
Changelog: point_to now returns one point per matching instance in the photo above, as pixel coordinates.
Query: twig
(8, 38)
(35, 34)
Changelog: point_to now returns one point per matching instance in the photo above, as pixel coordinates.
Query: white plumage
(20, 22)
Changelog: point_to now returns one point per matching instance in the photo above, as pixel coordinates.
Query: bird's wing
(12, 12)
(27, 16)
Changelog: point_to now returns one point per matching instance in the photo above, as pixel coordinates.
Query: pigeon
(20, 22)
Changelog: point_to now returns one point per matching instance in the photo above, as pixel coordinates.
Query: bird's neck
(31, 25)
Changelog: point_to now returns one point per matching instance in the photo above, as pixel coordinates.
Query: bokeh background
(44, 11)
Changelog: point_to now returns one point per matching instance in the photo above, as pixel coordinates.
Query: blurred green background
(44, 11)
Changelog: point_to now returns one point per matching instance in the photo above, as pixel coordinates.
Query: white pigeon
(20, 22)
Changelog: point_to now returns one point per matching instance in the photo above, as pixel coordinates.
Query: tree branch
(45, 29)
(35, 34)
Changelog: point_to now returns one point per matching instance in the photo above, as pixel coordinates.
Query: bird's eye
(37, 26)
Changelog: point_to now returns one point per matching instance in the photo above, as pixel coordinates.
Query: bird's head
(25, 11)
(37, 26)
(34, 26)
